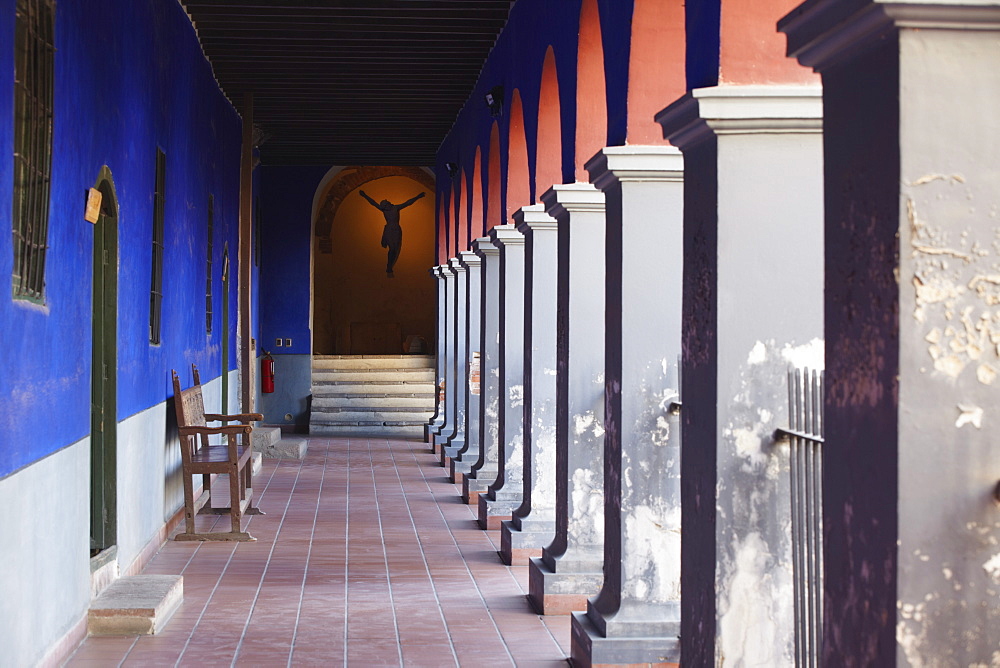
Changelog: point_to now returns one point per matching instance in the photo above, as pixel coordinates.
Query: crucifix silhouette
(392, 233)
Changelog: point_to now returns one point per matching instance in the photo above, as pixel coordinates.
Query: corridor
(365, 557)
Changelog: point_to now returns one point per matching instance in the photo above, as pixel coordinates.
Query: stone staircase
(372, 395)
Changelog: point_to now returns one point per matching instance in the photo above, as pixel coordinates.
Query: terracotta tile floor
(366, 557)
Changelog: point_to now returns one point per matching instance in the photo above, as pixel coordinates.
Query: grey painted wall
(292, 389)
(44, 575)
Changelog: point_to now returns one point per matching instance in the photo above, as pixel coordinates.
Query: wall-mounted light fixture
(452, 169)
(494, 100)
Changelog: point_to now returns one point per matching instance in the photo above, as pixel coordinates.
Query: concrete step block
(136, 605)
(290, 447)
(264, 437)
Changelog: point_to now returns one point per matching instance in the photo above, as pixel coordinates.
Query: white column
(456, 441)
(507, 491)
(532, 525)
(484, 470)
(570, 569)
(636, 617)
(434, 424)
(911, 456)
(463, 460)
(450, 415)
(753, 290)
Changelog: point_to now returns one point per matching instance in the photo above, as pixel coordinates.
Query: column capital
(757, 109)
(447, 269)
(822, 32)
(533, 217)
(506, 235)
(565, 198)
(484, 247)
(435, 271)
(456, 264)
(636, 163)
(469, 259)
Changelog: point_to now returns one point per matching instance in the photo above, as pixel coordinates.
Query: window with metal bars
(34, 64)
(156, 288)
(208, 269)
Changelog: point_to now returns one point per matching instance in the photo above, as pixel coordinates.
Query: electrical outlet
(277, 342)
(288, 343)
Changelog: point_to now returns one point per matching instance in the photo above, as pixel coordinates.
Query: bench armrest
(240, 417)
(227, 429)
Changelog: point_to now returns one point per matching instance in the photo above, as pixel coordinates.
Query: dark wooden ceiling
(365, 82)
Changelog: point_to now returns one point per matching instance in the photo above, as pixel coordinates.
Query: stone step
(324, 402)
(372, 361)
(290, 447)
(381, 375)
(136, 605)
(339, 410)
(374, 389)
(369, 430)
(386, 415)
(369, 421)
(265, 437)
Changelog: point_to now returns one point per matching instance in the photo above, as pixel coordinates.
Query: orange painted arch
(548, 146)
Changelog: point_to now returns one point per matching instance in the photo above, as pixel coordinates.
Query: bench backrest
(190, 407)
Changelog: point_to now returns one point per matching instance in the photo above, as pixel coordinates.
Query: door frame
(104, 354)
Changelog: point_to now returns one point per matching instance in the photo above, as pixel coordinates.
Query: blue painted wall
(702, 23)
(286, 207)
(286, 282)
(130, 77)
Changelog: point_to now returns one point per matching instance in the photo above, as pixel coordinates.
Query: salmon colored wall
(591, 99)
(518, 177)
(493, 214)
(548, 154)
(753, 51)
(476, 223)
(351, 284)
(656, 66)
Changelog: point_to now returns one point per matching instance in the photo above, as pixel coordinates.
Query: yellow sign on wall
(94, 197)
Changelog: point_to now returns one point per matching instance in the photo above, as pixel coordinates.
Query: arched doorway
(358, 306)
(104, 423)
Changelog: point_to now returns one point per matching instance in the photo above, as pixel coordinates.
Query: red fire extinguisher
(267, 373)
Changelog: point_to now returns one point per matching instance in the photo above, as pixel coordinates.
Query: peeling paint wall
(948, 595)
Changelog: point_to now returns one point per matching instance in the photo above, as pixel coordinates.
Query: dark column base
(563, 589)
(495, 508)
(590, 649)
(521, 539)
(476, 483)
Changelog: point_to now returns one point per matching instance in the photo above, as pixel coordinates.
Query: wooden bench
(199, 457)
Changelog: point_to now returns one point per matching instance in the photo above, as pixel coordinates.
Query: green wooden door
(103, 460)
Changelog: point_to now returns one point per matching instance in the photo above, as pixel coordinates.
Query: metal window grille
(805, 435)
(208, 268)
(34, 65)
(156, 287)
